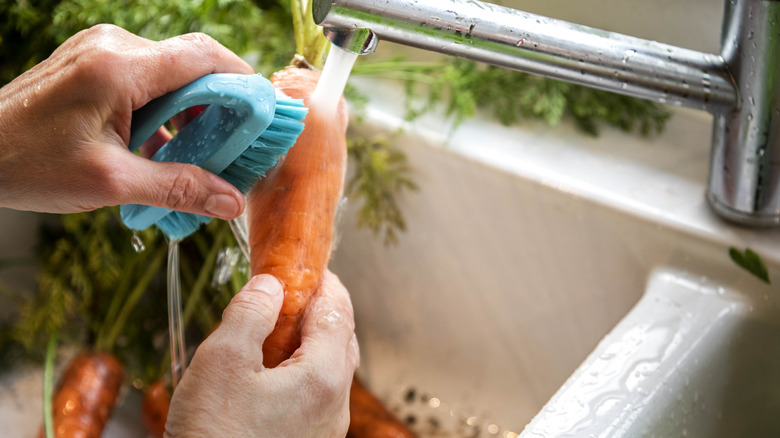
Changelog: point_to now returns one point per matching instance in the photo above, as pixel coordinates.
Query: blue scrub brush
(242, 133)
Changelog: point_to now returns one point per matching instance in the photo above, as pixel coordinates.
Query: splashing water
(175, 321)
(334, 77)
(241, 232)
(227, 260)
(137, 243)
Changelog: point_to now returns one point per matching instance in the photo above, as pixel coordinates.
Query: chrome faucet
(740, 86)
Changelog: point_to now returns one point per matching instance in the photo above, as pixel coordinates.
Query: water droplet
(627, 55)
(137, 243)
(25, 103)
(227, 260)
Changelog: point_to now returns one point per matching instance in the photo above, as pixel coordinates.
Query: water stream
(175, 321)
(333, 79)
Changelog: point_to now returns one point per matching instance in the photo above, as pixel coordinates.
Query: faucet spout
(740, 86)
(532, 43)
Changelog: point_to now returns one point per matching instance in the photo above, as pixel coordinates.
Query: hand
(65, 126)
(226, 391)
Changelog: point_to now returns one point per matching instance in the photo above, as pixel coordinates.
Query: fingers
(155, 142)
(250, 317)
(170, 64)
(180, 187)
(328, 341)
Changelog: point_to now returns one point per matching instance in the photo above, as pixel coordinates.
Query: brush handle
(240, 108)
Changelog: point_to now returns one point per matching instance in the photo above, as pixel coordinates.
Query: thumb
(251, 315)
(180, 187)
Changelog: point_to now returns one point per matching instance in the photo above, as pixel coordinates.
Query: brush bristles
(249, 167)
(177, 225)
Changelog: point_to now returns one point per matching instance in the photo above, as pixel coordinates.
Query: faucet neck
(744, 183)
(740, 87)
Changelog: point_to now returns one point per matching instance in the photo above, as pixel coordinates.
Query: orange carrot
(292, 210)
(369, 418)
(154, 409)
(291, 216)
(86, 395)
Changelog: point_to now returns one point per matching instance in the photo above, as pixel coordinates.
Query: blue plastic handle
(240, 108)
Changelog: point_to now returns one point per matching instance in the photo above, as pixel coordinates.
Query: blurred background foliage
(90, 275)
(31, 29)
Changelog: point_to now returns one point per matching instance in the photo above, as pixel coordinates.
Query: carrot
(86, 395)
(291, 220)
(292, 210)
(154, 409)
(369, 418)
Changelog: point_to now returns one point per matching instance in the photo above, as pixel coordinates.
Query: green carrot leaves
(751, 262)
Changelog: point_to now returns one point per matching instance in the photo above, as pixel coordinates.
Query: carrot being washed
(291, 223)
(368, 418)
(86, 395)
(292, 211)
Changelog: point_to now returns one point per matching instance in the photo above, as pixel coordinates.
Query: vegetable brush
(242, 133)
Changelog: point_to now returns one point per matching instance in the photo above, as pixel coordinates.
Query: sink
(533, 256)
(692, 358)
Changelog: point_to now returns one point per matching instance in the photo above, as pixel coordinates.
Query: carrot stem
(132, 299)
(118, 298)
(298, 26)
(48, 385)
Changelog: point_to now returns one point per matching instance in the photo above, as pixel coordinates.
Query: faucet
(740, 86)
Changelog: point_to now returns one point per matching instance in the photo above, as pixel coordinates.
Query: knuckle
(216, 355)
(183, 190)
(103, 30)
(202, 40)
(246, 304)
(97, 61)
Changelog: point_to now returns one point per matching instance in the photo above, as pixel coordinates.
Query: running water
(175, 322)
(333, 79)
(241, 232)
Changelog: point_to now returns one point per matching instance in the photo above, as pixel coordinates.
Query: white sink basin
(693, 358)
(525, 247)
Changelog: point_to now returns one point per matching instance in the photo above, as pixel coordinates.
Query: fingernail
(267, 284)
(222, 206)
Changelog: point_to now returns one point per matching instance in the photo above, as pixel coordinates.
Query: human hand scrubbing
(65, 126)
(247, 126)
(233, 395)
